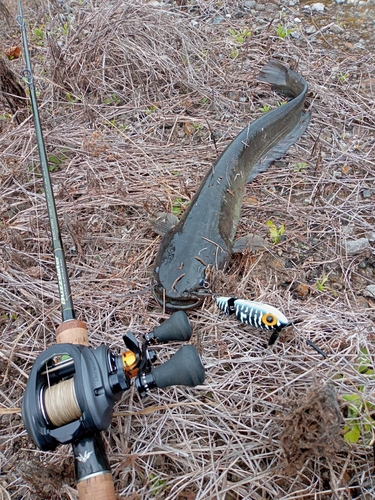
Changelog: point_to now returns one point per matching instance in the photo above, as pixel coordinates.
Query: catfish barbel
(204, 237)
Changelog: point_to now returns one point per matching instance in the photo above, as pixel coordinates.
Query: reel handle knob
(177, 327)
(183, 368)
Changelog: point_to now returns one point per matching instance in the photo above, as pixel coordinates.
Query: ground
(136, 101)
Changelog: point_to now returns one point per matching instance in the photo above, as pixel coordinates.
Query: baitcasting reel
(72, 389)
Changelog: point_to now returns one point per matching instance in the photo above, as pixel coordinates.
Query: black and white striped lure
(252, 313)
(260, 315)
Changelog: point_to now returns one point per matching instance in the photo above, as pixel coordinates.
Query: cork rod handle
(98, 486)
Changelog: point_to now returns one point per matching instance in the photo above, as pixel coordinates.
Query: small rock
(369, 291)
(250, 4)
(217, 20)
(315, 7)
(366, 193)
(371, 236)
(280, 164)
(318, 7)
(355, 246)
(336, 29)
(154, 3)
(309, 30)
(260, 7)
(339, 1)
(348, 230)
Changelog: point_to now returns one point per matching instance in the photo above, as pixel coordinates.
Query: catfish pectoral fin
(252, 242)
(281, 147)
(162, 222)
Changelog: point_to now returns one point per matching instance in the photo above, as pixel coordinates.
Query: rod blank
(67, 309)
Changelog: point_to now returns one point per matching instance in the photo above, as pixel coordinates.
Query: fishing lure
(255, 314)
(260, 315)
(252, 313)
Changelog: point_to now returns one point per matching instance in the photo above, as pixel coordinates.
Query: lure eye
(269, 319)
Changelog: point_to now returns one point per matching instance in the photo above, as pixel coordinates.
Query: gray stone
(310, 30)
(356, 246)
(366, 193)
(339, 1)
(336, 29)
(318, 7)
(315, 7)
(250, 4)
(348, 230)
(369, 291)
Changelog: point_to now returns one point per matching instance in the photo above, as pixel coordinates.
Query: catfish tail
(282, 79)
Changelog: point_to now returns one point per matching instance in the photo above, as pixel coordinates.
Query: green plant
(275, 232)
(53, 163)
(71, 98)
(240, 35)
(320, 284)
(157, 484)
(300, 167)
(113, 99)
(343, 77)
(65, 29)
(360, 422)
(265, 108)
(282, 32)
(151, 109)
(234, 53)
(40, 34)
(179, 206)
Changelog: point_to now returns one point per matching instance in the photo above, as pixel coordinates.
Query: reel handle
(177, 327)
(183, 368)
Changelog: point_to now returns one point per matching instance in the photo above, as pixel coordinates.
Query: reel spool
(72, 389)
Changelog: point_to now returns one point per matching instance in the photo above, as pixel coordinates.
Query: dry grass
(131, 97)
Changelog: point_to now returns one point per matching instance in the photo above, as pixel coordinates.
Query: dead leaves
(13, 52)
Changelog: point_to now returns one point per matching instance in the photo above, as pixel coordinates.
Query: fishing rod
(72, 389)
(67, 309)
(93, 475)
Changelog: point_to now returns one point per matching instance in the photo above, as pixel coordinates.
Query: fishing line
(60, 403)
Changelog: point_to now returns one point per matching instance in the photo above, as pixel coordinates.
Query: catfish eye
(203, 283)
(269, 319)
